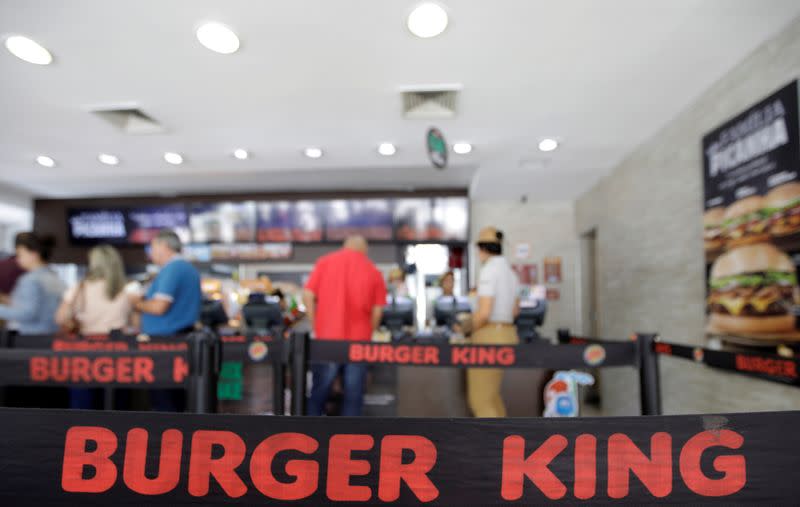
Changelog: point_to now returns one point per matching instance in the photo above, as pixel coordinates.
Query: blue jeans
(353, 379)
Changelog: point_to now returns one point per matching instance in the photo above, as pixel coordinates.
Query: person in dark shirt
(10, 271)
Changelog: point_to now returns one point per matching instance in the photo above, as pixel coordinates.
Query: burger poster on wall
(752, 220)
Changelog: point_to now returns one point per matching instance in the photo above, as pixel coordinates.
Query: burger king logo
(257, 351)
(697, 353)
(594, 355)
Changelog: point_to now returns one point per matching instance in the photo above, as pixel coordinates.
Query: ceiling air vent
(130, 120)
(430, 102)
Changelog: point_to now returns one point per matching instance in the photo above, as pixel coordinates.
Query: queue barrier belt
(119, 360)
(764, 366)
(41, 367)
(771, 367)
(134, 458)
(533, 355)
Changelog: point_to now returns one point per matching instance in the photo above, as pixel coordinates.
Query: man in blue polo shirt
(171, 305)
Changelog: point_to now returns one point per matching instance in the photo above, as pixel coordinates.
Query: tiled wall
(649, 248)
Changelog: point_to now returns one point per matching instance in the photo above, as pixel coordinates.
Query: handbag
(72, 324)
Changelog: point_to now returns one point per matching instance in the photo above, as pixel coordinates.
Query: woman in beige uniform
(493, 322)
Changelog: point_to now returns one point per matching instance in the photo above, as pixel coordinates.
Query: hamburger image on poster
(782, 209)
(753, 289)
(744, 223)
(712, 228)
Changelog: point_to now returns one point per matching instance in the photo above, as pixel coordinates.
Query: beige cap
(488, 235)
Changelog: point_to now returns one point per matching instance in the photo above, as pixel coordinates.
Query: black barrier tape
(258, 348)
(101, 458)
(93, 368)
(533, 355)
(763, 366)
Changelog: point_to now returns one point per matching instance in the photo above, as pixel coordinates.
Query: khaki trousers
(483, 384)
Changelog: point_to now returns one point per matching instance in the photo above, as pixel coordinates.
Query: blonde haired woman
(98, 304)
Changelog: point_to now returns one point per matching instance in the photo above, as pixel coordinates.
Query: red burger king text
(391, 469)
(94, 462)
(100, 369)
(427, 354)
(768, 366)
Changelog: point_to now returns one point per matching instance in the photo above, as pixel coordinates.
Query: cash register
(398, 314)
(447, 308)
(531, 316)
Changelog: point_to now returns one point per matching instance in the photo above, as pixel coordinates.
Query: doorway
(590, 322)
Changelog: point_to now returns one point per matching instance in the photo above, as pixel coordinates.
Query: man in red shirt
(344, 299)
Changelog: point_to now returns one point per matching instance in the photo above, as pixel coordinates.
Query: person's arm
(487, 291)
(516, 308)
(310, 302)
(379, 299)
(310, 293)
(164, 291)
(25, 302)
(377, 316)
(484, 311)
(154, 306)
(64, 312)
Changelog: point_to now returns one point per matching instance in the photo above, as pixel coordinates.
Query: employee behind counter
(493, 322)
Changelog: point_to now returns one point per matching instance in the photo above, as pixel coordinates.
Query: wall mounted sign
(437, 148)
(528, 274)
(552, 269)
(752, 219)
(553, 294)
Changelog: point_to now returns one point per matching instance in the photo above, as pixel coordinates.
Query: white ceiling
(601, 75)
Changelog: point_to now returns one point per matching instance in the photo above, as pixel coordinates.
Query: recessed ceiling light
(173, 158)
(427, 20)
(548, 144)
(462, 148)
(313, 152)
(45, 161)
(387, 149)
(241, 154)
(107, 159)
(218, 37)
(28, 50)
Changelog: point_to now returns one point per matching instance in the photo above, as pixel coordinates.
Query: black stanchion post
(299, 360)
(202, 389)
(108, 398)
(278, 377)
(649, 380)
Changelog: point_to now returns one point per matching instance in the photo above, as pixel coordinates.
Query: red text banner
(785, 370)
(102, 458)
(532, 355)
(93, 368)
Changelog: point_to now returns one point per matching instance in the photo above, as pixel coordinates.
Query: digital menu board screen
(226, 222)
(371, 218)
(144, 223)
(307, 221)
(412, 217)
(449, 219)
(274, 221)
(93, 226)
